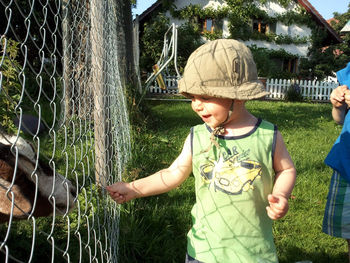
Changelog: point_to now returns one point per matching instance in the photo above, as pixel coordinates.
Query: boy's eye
(202, 98)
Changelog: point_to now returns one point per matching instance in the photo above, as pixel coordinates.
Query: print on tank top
(232, 173)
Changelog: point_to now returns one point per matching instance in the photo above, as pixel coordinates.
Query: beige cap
(222, 68)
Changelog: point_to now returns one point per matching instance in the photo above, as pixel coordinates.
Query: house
(271, 26)
(346, 28)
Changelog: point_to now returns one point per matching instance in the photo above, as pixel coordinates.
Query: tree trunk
(125, 42)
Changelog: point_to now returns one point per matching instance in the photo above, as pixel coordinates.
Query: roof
(149, 10)
(331, 20)
(335, 38)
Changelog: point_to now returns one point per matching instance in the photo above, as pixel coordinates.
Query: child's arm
(340, 99)
(160, 182)
(284, 182)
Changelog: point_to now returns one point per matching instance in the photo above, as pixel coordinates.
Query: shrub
(293, 93)
(9, 86)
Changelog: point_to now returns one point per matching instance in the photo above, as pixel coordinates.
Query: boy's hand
(338, 96)
(121, 192)
(347, 97)
(278, 206)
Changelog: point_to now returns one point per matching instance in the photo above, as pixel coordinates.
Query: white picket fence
(311, 90)
(170, 82)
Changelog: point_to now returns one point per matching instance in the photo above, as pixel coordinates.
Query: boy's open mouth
(205, 117)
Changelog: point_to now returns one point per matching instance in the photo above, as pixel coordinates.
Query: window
(208, 25)
(211, 25)
(260, 26)
(290, 65)
(263, 27)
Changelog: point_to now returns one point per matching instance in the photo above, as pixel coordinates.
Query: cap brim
(245, 91)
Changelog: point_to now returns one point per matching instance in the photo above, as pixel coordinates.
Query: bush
(293, 93)
(9, 86)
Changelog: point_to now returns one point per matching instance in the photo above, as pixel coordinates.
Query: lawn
(154, 229)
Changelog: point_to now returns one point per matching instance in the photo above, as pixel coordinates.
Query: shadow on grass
(299, 254)
(291, 114)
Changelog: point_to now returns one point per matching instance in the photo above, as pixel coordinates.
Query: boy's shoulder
(265, 127)
(265, 123)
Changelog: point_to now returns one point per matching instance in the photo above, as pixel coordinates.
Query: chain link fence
(64, 130)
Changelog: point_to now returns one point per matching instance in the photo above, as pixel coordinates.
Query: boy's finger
(347, 95)
(112, 188)
(109, 188)
(339, 98)
(118, 198)
(271, 213)
(272, 199)
(276, 208)
(121, 199)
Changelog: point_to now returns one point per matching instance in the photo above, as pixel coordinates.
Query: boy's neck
(240, 122)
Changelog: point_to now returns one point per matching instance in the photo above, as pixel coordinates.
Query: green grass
(154, 229)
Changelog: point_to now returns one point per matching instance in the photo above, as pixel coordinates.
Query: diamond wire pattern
(58, 64)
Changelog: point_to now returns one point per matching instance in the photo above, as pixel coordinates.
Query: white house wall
(293, 30)
(272, 9)
(300, 50)
(203, 3)
(225, 30)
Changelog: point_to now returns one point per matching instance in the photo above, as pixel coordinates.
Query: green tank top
(230, 223)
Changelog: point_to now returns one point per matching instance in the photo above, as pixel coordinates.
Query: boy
(336, 220)
(243, 172)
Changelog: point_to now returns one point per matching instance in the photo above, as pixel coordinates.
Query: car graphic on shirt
(231, 175)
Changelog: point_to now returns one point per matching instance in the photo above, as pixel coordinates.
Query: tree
(189, 38)
(320, 62)
(343, 49)
(324, 61)
(125, 41)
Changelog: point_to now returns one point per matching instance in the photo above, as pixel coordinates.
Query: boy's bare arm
(160, 182)
(285, 175)
(340, 99)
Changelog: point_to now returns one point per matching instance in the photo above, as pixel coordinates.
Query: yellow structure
(160, 79)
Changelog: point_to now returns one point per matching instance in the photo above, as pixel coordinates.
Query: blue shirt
(339, 156)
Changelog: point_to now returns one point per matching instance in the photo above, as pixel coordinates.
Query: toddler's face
(213, 111)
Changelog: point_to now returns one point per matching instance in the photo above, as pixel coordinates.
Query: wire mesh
(64, 130)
